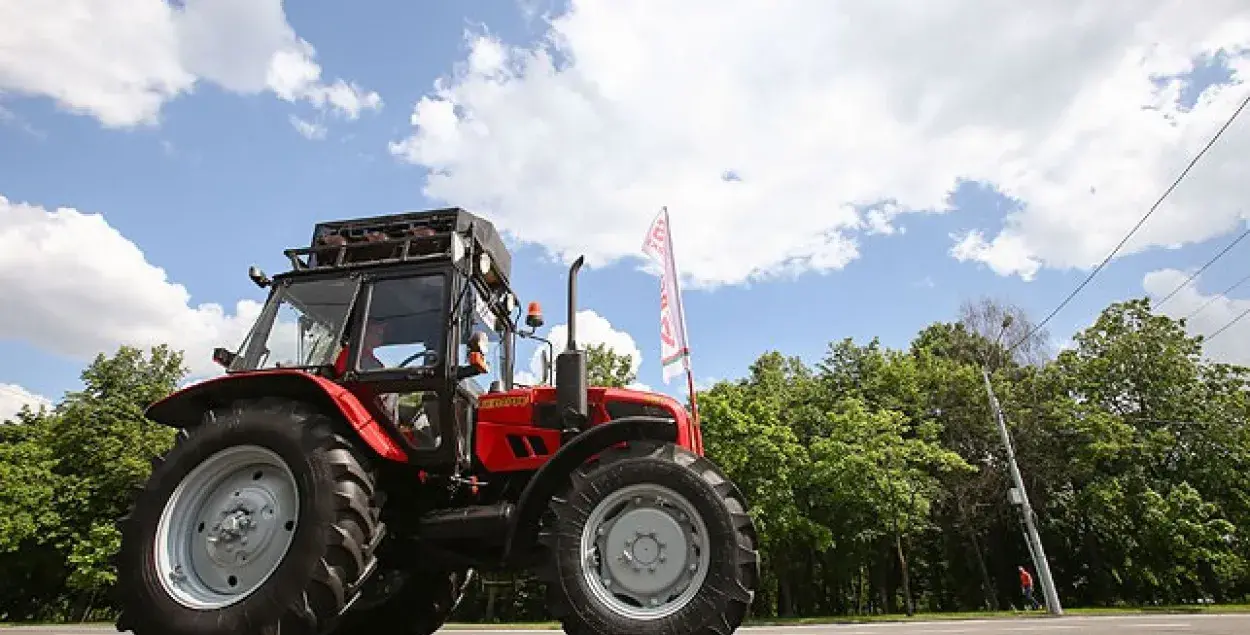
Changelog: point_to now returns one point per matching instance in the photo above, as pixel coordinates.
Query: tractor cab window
(306, 323)
(479, 318)
(404, 329)
(404, 325)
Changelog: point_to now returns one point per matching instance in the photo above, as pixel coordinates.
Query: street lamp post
(1020, 497)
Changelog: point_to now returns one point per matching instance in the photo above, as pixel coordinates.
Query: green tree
(76, 467)
(606, 367)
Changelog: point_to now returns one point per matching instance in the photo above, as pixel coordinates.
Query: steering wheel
(431, 355)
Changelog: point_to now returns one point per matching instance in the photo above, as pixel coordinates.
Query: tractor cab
(412, 313)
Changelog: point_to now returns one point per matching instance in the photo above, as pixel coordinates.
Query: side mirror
(223, 357)
(258, 277)
(477, 365)
(534, 315)
(478, 343)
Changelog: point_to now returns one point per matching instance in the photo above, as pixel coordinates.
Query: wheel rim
(645, 552)
(226, 527)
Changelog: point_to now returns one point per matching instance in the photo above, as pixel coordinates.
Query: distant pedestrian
(1026, 587)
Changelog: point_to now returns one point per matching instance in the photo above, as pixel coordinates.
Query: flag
(674, 349)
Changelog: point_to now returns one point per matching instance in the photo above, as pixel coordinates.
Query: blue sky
(577, 156)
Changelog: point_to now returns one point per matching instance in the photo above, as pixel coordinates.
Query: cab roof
(401, 238)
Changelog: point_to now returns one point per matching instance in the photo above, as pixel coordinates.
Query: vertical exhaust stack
(571, 366)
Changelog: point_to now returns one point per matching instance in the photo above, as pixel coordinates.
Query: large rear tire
(650, 539)
(263, 521)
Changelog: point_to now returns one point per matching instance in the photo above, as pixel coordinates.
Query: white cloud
(1210, 314)
(309, 129)
(83, 289)
(120, 61)
(824, 109)
(13, 397)
(592, 328)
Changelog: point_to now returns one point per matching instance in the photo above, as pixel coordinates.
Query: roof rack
(399, 238)
(338, 252)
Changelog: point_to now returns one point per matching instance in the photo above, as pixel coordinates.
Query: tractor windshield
(302, 325)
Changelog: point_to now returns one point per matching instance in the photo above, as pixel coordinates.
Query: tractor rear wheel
(650, 539)
(261, 521)
(401, 602)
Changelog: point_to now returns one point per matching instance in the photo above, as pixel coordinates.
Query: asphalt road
(1136, 625)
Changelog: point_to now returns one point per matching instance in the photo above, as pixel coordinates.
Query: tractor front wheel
(261, 521)
(650, 539)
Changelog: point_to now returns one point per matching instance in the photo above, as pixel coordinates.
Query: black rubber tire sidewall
(150, 608)
(582, 605)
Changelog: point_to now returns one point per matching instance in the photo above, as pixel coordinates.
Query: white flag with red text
(674, 349)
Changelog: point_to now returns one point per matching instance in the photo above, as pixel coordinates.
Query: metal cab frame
(454, 403)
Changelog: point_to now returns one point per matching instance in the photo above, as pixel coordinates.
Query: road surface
(1074, 625)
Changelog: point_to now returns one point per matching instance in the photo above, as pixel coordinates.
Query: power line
(1227, 326)
(1204, 268)
(1154, 207)
(1213, 298)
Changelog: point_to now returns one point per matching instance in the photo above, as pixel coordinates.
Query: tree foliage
(606, 367)
(877, 475)
(68, 474)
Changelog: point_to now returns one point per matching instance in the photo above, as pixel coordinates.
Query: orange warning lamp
(534, 315)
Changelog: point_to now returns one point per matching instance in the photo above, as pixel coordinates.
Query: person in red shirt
(1026, 586)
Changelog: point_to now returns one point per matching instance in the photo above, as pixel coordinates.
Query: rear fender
(554, 474)
(186, 407)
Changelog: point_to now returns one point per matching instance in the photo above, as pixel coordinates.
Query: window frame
(254, 343)
(412, 378)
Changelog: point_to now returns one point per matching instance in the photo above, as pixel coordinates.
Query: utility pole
(1026, 509)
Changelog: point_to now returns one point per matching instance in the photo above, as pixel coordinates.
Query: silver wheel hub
(226, 527)
(645, 552)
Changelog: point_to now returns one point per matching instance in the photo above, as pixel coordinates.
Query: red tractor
(348, 474)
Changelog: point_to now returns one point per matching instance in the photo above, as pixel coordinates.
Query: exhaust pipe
(577, 266)
(571, 367)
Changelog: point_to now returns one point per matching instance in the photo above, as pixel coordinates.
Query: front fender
(555, 472)
(186, 407)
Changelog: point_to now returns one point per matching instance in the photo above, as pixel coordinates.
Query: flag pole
(681, 307)
(674, 345)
